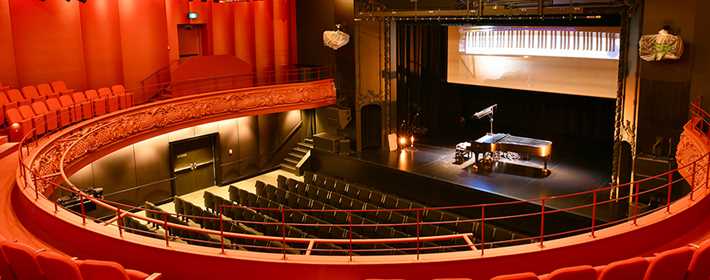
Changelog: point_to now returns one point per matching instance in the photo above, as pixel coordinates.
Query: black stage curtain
(445, 109)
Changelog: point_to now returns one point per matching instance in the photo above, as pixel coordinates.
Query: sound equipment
(334, 118)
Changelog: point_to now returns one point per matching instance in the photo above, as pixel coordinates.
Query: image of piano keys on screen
(506, 153)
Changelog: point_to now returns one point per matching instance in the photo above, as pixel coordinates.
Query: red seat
(22, 260)
(582, 272)
(669, 265)
(92, 269)
(99, 102)
(46, 90)
(50, 117)
(517, 276)
(68, 102)
(14, 116)
(4, 101)
(38, 122)
(699, 268)
(60, 87)
(111, 99)
(58, 267)
(64, 114)
(15, 96)
(31, 93)
(5, 270)
(125, 98)
(86, 106)
(634, 268)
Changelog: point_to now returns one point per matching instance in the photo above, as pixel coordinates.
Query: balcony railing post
(418, 230)
(542, 223)
(165, 228)
(119, 221)
(83, 209)
(483, 228)
(594, 213)
(350, 235)
(221, 227)
(34, 183)
(692, 180)
(283, 233)
(670, 190)
(707, 172)
(635, 199)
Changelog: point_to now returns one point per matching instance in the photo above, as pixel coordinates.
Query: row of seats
(684, 263)
(189, 236)
(372, 199)
(47, 111)
(19, 262)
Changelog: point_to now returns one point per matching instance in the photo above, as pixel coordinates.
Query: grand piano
(493, 144)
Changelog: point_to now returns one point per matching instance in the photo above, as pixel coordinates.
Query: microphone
(485, 112)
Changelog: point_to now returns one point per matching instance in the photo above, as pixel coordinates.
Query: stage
(428, 174)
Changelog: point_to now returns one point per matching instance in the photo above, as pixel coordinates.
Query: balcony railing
(218, 225)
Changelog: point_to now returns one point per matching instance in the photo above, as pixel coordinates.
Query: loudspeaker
(334, 118)
(326, 142)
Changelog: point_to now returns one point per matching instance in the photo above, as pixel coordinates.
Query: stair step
(289, 168)
(301, 150)
(296, 155)
(292, 161)
(308, 140)
(305, 145)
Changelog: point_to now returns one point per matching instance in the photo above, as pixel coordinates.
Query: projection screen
(568, 60)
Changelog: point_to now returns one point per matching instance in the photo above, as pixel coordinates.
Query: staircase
(296, 155)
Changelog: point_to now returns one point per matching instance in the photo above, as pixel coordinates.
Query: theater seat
(31, 93)
(22, 260)
(60, 87)
(634, 268)
(4, 102)
(111, 99)
(669, 265)
(699, 268)
(38, 122)
(93, 269)
(99, 103)
(517, 276)
(14, 116)
(125, 98)
(46, 90)
(582, 272)
(16, 96)
(58, 267)
(68, 102)
(5, 271)
(80, 99)
(50, 117)
(64, 114)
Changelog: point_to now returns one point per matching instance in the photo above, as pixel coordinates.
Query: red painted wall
(281, 32)
(143, 39)
(223, 29)
(263, 35)
(102, 48)
(8, 74)
(48, 42)
(244, 32)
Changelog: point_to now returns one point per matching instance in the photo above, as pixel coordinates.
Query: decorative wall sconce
(660, 46)
(335, 39)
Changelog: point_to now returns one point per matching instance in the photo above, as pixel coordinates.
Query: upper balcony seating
(61, 88)
(16, 96)
(87, 110)
(68, 102)
(99, 103)
(685, 263)
(65, 115)
(38, 121)
(14, 116)
(112, 100)
(46, 90)
(125, 98)
(31, 94)
(50, 117)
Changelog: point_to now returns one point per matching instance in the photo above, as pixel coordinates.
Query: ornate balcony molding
(120, 127)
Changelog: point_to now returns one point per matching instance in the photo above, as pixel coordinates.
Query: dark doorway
(192, 164)
(371, 126)
(191, 39)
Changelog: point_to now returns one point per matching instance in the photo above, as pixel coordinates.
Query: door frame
(213, 139)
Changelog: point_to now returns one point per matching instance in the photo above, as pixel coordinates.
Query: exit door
(193, 164)
(191, 40)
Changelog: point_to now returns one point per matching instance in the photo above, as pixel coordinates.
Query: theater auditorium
(354, 139)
